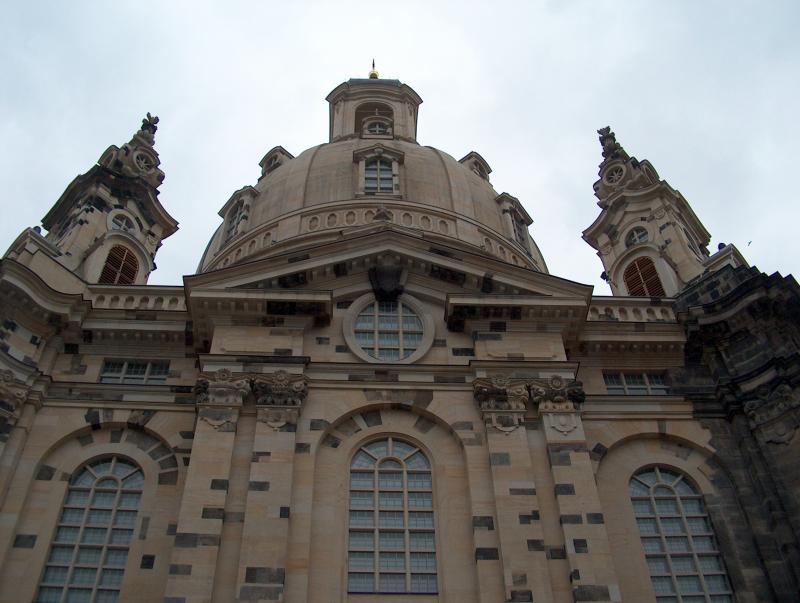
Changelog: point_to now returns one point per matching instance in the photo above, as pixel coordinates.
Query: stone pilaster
(503, 403)
(588, 551)
(193, 564)
(264, 549)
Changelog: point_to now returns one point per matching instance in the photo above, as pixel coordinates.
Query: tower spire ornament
(373, 73)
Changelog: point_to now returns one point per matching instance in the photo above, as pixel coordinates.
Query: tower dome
(371, 169)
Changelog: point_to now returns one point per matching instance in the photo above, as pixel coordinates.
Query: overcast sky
(707, 91)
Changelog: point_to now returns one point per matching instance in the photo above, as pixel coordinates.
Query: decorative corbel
(13, 395)
(558, 402)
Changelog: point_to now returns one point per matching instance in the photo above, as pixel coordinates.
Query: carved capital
(221, 388)
(557, 394)
(501, 400)
(280, 389)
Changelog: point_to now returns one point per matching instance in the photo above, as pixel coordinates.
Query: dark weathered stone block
(180, 569)
(219, 484)
(486, 554)
(147, 562)
(213, 513)
(258, 486)
(500, 458)
(24, 541)
(565, 489)
(590, 592)
(535, 545)
(483, 521)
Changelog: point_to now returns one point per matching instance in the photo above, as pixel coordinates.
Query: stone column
(194, 557)
(18, 406)
(588, 551)
(265, 537)
(502, 402)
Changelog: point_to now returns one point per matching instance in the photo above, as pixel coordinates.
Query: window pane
(667, 506)
(359, 583)
(672, 525)
(67, 535)
(378, 449)
(48, 595)
(128, 500)
(698, 525)
(77, 497)
(422, 541)
(78, 595)
(417, 461)
(125, 519)
(652, 545)
(678, 545)
(393, 561)
(420, 520)
(99, 517)
(362, 461)
(135, 481)
(121, 536)
(683, 565)
(692, 506)
(361, 540)
(716, 583)
(391, 519)
(361, 500)
(642, 507)
(94, 535)
(423, 583)
(392, 583)
(391, 500)
(703, 543)
(689, 584)
(361, 480)
(104, 499)
(116, 557)
(419, 481)
(107, 596)
(647, 526)
(55, 575)
(663, 585)
(423, 562)
(111, 577)
(72, 516)
(83, 575)
(88, 555)
(389, 479)
(420, 499)
(710, 563)
(391, 540)
(60, 554)
(657, 565)
(84, 478)
(362, 561)
(362, 519)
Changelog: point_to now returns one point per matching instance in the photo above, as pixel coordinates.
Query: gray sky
(707, 91)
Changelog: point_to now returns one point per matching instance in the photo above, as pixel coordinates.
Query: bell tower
(108, 224)
(650, 241)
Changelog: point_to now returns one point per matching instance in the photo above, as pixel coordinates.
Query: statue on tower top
(611, 148)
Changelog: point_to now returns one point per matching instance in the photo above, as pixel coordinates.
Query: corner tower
(650, 241)
(108, 224)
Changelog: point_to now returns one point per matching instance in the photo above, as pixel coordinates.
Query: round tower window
(388, 331)
(635, 236)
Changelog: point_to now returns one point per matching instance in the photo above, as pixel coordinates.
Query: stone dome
(331, 189)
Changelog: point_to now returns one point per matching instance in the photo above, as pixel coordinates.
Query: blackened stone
(85, 440)
(168, 463)
(219, 484)
(372, 418)
(45, 473)
(187, 435)
(233, 517)
(483, 521)
(590, 592)
(424, 425)
(521, 595)
(302, 448)
(462, 426)
(172, 529)
(257, 593)
(535, 545)
(24, 541)
(180, 569)
(258, 486)
(265, 575)
(595, 518)
(564, 489)
(580, 544)
(168, 478)
(92, 416)
(570, 518)
(486, 554)
(556, 552)
(147, 562)
(499, 458)
(318, 424)
(116, 435)
(186, 540)
(284, 512)
(522, 491)
(213, 513)
(463, 351)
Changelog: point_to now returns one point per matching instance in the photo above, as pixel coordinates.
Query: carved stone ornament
(556, 394)
(501, 400)
(278, 417)
(280, 389)
(774, 415)
(221, 389)
(562, 422)
(12, 394)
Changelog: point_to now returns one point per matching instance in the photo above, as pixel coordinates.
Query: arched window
(391, 539)
(678, 539)
(120, 268)
(370, 113)
(378, 176)
(641, 278)
(388, 330)
(90, 547)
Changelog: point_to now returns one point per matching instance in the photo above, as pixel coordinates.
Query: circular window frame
(629, 242)
(348, 329)
(614, 168)
(119, 212)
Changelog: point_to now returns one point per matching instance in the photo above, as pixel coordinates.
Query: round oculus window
(635, 236)
(388, 331)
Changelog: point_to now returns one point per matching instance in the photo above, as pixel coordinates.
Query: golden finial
(373, 74)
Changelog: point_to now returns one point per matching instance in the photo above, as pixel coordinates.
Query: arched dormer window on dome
(374, 120)
(378, 171)
(121, 267)
(641, 279)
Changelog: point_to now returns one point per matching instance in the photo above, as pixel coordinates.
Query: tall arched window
(90, 546)
(678, 539)
(120, 268)
(391, 540)
(641, 278)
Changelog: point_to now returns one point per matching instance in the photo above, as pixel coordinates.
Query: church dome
(372, 169)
